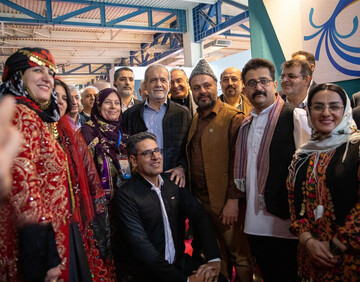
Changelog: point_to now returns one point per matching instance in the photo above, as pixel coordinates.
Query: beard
(206, 104)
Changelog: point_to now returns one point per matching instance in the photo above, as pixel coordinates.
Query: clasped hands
(206, 272)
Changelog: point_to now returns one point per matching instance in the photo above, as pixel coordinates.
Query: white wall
(285, 16)
(237, 60)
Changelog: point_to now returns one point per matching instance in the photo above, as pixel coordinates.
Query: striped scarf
(240, 164)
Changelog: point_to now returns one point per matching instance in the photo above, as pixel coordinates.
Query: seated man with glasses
(149, 218)
(266, 142)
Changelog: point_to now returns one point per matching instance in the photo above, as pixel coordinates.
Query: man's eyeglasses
(263, 82)
(150, 153)
(320, 108)
(290, 76)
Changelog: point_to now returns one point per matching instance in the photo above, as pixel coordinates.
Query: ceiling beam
(73, 17)
(202, 29)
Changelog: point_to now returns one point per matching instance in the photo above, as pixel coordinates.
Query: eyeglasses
(263, 82)
(320, 108)
(150, 153)
(290, 76)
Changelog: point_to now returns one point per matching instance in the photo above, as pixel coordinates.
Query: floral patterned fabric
(89, 209)
(39, 195)
(309, 191)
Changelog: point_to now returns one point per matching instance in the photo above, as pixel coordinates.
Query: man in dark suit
(355, 100)
(308, 57)
(149, 214)
(124, 83)
(166, 119)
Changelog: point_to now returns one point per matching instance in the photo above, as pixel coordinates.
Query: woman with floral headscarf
(39, 235)
(323, 187)
(106, 141)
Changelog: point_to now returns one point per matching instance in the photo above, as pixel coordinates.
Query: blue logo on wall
(332, 39)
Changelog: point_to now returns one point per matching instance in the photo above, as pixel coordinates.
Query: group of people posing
(268, 180)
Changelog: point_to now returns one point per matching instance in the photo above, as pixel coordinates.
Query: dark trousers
(276, 257)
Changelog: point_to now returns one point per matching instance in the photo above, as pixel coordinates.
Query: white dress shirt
(260, 222)
(169, 241)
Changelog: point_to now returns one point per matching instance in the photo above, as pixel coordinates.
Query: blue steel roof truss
(174, 40)
(93, 69)
(35, 18)
(204, 25)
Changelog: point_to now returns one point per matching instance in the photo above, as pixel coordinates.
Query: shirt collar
(147, 103)
(302, 105)
(161, 182)
(215, 109)
(263, 112)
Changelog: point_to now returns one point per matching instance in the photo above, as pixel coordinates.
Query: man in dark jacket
(149, 215)
(167, 120)
(180, 90)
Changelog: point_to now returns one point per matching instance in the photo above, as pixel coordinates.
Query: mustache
(230, 87)
(257, 93)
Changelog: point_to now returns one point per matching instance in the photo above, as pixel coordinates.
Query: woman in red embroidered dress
(323, 186)
(86, 185)
(39, 223)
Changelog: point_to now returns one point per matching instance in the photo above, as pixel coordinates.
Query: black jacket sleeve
(38, 252)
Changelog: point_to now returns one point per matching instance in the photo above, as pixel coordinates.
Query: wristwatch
(334, 249)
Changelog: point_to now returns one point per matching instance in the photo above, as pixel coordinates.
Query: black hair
(131, 145)
(257, 63)
(67, 91)
(328, 86)
(117, 72)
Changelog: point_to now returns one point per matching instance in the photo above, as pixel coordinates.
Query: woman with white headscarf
(323, 187)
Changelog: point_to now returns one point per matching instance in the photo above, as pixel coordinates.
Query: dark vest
(282, 148)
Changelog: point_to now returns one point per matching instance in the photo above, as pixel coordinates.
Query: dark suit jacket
(356, 116)
(138, 221)
(355, 100)
(175, 124)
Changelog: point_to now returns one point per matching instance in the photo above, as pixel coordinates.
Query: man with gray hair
(124, 84)
(295, 81)
(142, 90)
(167, 120)
(180, 90)
(75, 109)
(87, 101)
(310, 58)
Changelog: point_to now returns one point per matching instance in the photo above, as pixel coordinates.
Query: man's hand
(210, 271)
(230, 212)
(179, 174)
